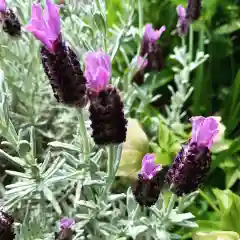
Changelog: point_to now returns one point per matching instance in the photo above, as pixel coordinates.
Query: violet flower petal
(153, 35)
(52, 18)
(149, 168)
(181, 11)
(40, 35)
(204, 130)
(3, 5)
(196, 124)
(97, 70)
(66, 223)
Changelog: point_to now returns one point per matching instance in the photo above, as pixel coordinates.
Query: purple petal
(149, 169)
(205, 129)
(153, 35)
(52, 18)
(66, 223)
(100, 80)
(40, 35)
(3, 5)
(97, 70)
(181, 11)
(196, 124)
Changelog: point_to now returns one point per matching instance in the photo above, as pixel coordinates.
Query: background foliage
(44, 133)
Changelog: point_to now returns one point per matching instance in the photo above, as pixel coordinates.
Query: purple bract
(98, 70)
(3, 5)
(45, 26)
(66, 223)
(152, 35)
(149, 168)
(204, 130)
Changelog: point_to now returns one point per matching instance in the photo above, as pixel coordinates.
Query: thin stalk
(84, 135)
(191, 43)
(112, 159)
(110, 164)
(140, 15)
(198, 84)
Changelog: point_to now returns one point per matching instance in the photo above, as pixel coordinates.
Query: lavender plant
(67, 177)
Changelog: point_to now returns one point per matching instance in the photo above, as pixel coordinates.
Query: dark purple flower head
(45, 26)
(98, 70)
(66, 223)
(149, 168)
(6, 226)
(9, 21)
(194, 9)
(204, 130)
(3, 6)
(193, 161)
(183, 22)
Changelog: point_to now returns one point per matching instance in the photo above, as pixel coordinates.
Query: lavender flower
(60, 63)
(194, 9)
(106, 107)
(194, 159)
(152, 49)
(6, 227)
(183, 22)
(150, 180)
(66, 232)
(9, 20)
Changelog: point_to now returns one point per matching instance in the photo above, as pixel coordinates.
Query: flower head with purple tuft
(193, 161)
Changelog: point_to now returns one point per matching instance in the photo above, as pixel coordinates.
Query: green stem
(110, 170)
(84, 135)
(190, 43)
(110, 164)
(170, 206)
(140, 15)
(208, 200)
(198, 83)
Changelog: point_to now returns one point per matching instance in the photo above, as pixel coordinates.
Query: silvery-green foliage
(184, 89)
(67, 175)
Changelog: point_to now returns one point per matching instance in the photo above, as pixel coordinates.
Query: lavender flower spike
(3, 5)
(45, 26)
(204, 130)
(148, 185)
(183, 22)
(149, 168)
(98, 70)
(193, 161)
